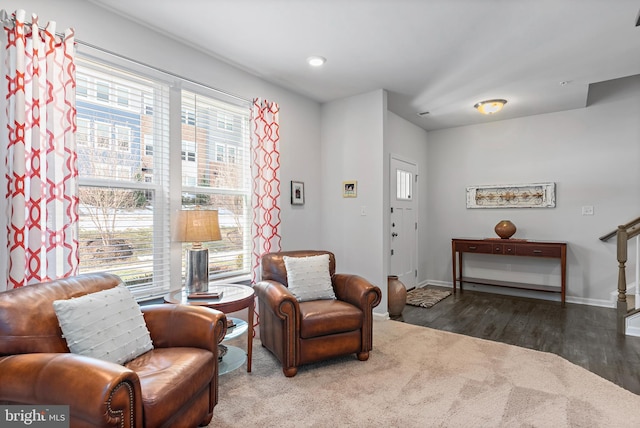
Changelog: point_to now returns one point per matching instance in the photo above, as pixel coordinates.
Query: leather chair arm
(179, 325)
(277, 298)
(98, 392)
(356, 290)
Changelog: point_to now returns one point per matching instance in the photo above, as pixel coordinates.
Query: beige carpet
(420, 377)
(426, 297)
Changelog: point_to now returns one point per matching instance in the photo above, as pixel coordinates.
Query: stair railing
(623, 234)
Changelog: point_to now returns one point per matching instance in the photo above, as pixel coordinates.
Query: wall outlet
(587, 210)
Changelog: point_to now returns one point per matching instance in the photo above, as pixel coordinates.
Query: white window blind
(123, 161)
(216, 175)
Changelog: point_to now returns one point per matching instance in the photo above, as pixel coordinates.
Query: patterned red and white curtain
(265, 171)
(38, 233)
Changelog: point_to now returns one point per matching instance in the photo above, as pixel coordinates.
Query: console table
(509, 247)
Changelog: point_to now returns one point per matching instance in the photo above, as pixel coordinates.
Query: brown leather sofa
(299, 333)
(173, 385)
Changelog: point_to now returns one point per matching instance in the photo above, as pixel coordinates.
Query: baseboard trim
(381, 317)
(524, 293)
(632, 331)
(438, 283)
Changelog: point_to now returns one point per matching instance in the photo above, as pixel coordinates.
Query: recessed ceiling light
(316, 61)
(490, 106)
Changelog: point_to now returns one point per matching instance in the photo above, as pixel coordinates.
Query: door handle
(393, 235)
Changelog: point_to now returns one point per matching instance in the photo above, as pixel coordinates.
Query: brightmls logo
(34, 416)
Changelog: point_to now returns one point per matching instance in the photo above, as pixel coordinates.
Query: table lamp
(197, 226)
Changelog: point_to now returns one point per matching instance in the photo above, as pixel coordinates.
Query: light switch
(363, 210)
(587, 210)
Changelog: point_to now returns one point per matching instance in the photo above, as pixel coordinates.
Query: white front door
(404, 226)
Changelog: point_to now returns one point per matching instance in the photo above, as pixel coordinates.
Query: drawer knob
(537, 251)
(472, 248)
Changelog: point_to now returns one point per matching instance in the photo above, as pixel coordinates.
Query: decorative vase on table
(397, 296)
(505, 229)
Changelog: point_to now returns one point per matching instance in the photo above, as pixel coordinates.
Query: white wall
(408, 141)
(352, 149)
(299, 117)
(593, 156)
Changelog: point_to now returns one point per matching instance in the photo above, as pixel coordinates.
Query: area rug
(421, 377)
(426, 297)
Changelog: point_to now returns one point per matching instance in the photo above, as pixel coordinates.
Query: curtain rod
(135, 61)
(117, 55)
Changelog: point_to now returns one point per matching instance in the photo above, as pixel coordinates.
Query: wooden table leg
(460, 268)
(563, 275)
(453, 263)
(251, 310)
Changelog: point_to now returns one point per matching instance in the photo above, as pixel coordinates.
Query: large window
(124, 163)
(123, 187)
(210, 181)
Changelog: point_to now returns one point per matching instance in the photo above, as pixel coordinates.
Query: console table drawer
(507, 249)
(538, 251)
(473, 247)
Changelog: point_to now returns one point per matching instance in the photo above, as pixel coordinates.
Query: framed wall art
(349, 189)
(297, 193)
(531, 195)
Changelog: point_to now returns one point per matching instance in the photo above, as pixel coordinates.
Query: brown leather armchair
(175, 384)
(304, 332)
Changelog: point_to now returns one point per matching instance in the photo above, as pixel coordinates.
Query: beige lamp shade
(198, 226)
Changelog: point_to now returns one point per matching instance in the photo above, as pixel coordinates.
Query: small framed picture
(349, 189)
(297, 193)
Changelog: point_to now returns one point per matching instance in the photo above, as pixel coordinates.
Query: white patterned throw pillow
(107, 325)
(308, 277)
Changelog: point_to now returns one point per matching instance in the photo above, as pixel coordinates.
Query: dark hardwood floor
(584, 335)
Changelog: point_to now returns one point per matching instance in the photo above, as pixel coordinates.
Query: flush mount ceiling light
(316, 61)
(490, 106)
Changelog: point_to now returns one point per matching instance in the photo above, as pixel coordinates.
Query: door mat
(426, 297)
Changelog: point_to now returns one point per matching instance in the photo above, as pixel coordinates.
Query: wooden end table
(235, 297)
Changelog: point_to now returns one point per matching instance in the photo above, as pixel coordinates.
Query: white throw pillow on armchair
(107, 325)
(308, 277)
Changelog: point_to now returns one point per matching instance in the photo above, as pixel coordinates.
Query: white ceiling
(440, 56)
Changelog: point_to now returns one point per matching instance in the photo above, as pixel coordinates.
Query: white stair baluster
(637, 305)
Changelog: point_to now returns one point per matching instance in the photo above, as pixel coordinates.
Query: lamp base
(197, 270)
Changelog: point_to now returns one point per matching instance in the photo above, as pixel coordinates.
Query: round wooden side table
(234, 297)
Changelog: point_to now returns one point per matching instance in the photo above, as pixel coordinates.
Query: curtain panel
(265, 192)
(37, 147)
